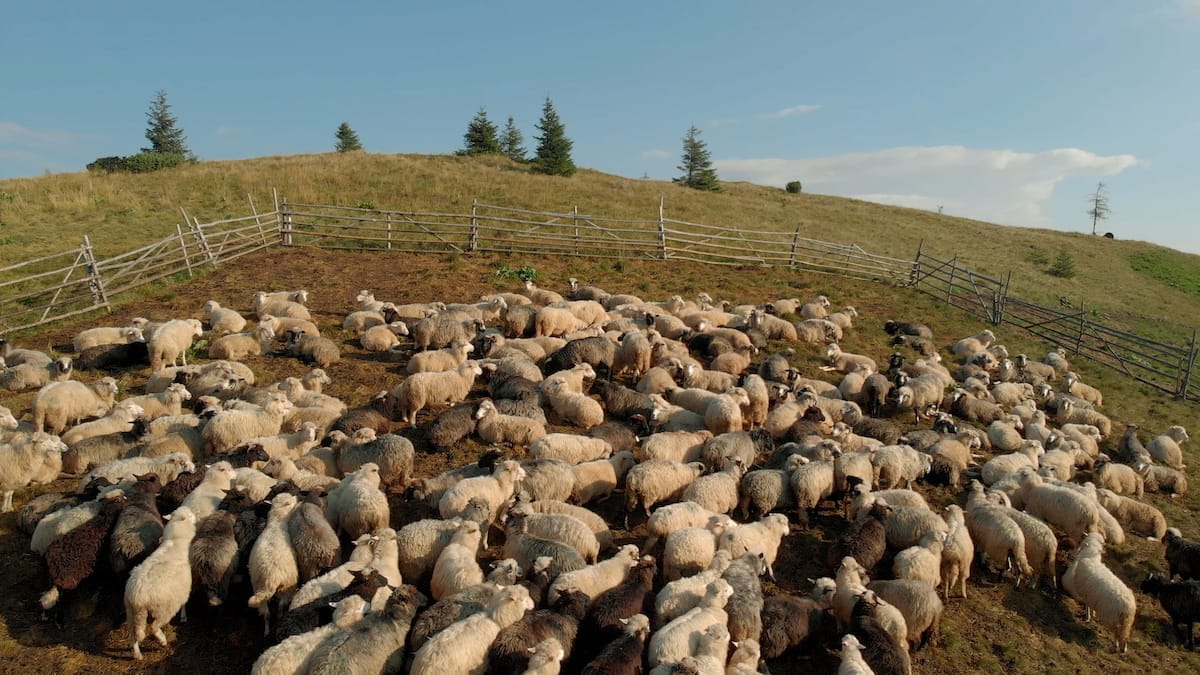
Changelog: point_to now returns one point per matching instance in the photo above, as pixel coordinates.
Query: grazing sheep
(238, 346)
(1180, 600)
(1095, 586)
(60, 404)
(37, 460)
(1138, 517)
(456, 568)
(655, 481)
(1165, 447)
(494, 427)
(158, 588)
(423, 389)
(597, 479)
(763, 536)
(357, 506)
(463, 646)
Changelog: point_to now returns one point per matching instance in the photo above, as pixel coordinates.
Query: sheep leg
(8, 497)
(183, 614)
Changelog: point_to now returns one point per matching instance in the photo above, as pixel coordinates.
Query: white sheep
(284, 468)
(556, 322)
(1041, 545)
(863, 498)
(675, 446)
(905, 526)
(282, 303)
(230, 428)
(1002, 466)
(171, 341)
(724, 413)
(1071, 413)
(689, 550)
(681, 595)
(1165, 447)
(292, 654)
(222, 320)
(363, 320)
(34, 459)
(263, 297)
(61, 404)
(595, 579)
(812, 483)
(29, 376)
(1073, 513)
(718, 492)
(1095, 586)
(456, 567)
(633, 356)
(462, 647)
(494, 490)
(384, 337)
(420, 390)
(162, 404)
(597, 479)
(339, 577)
(898, 466)
(495, 427)
(1076, 387)
(809, 310)
(577, 409)
(1136, 516)
(845, 362)
(357, 506)
(272, 562)
(1005, 434)
(655, 481)
(204, 499)
(682, 637)
(440, 360)
(763, 536)
(106, 335)
(167, 468)
(293, 445)
(238, 346)
(119, 419)
(1120, 478)
(967, 346)
(958, 552)
(852, 662)
(571, 448)
(159, 587)
(565, 528)
(922, 562)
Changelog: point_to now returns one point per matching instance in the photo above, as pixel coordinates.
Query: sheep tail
(50, 598)
(258, 599)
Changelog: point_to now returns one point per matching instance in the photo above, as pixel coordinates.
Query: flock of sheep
(276, 496)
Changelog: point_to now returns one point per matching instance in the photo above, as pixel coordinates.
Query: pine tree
(347, 139)
(1098, 206)
(481, 138)
(511, 140)
(165, 138)
(554, 148)
(697, 168)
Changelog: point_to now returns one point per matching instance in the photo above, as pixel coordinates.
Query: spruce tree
(347, 139)
(697, 168)
(511, 140)
(554, 148)
(481, 137)
(165, 138)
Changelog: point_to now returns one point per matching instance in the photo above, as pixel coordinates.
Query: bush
(525, 273)
(794, 187)
(1064, 266)
(1038, 256)
(143, 162)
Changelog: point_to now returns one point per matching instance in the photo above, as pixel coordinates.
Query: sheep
(494, 490)
(36, 460)
(766, 490)
(61, 404)
(420, 543)
(724, 413)
(283, 326)
(158, 588)
(207, 496)
(745, 606)
(919, 394)
(918, 603)
(1095, 586)
(1165, 447)
(493, 427)
(548, 479)
(103, 335)
(718, 492)
(292, 445)
(440, 360)
(1073, 513)
(424, 389)
(682, 636)
(1005, 434)
(570, 448)
(576, 409)
(1001, 466)
(774, 327)
(863, 498)
(167, 468)
(922, 562)
(392, 453)
(272, 561)
(898, 465)
(162, 404)
(313, 539)
(463, 646)
(71, 558)
(370, 645)
(28, 376)
(1120, 478)
(1157, 478)
(362, 320)
(633, 354)
(456, 567)
(973, 344)
(844, 362)
(222, 320)
(1180, 600)
(293, 653)
(594, 580)
(689, 550)
(171, 341)
(763, 536)
(284, 468)
(958, 553)
(238, 346)
(546, 658)
(263, 297)
(623, 655)
(1183, 556)
(865, 540)
(357, 506)
(655, 481)
(1074, 386)
(526, 548)
(453, 425)
(560, 527)
(229, 428)
(790, 621)
(120, 419)
(595, 523)
(809, 310)
(382, 338)
(597, 479)
(313, 349)
(1070, 413)
(812, 483)
(213, 556)
(1134, 515)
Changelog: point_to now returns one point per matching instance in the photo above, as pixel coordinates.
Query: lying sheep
(967, 346)
(1165, 447)
(29, 376)
(494, 427)
(313, 349)
(61, 404)
(844, 362)
(1095, 586)
(1156, 478)
(103, 335)
(1136, 516)
(222, 320)
(238, 346)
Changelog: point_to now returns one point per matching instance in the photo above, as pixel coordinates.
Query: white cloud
(1004, 186)
(655, 154)
(1188, 9)
(11, 132)
(794, 111)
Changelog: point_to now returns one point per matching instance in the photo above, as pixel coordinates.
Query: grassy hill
(1135, 285)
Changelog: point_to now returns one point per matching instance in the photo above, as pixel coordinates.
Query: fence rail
(73, 282)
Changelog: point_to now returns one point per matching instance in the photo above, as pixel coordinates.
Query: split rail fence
(73, 282)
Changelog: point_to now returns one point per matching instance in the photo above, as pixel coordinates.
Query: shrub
(1064, 266)
(793, 187)
(524, 273)
(143, 162)
(1038, 256)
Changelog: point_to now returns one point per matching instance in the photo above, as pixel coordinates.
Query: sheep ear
(531, 650)
(624, 621)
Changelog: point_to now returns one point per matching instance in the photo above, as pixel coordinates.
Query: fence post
(1002, 299)
(914, 277)
(95, 282)
(1185, 380)
(261, 232)
(1079, 336)
(473, 240)
(662, 230)
(201, 241)
(795, 242)
(389, 230)
(950, 284)
(285, 224)
(575, 221)
(183, 245)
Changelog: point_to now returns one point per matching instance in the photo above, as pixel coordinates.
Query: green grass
(1175, 269)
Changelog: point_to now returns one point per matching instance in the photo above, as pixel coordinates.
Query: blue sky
(1009, 111)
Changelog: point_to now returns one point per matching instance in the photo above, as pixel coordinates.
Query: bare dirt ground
(998, 629)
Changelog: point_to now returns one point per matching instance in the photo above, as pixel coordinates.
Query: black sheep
(512, 386)
(213, 556)
(72, 558)
(626, 654)
(881, 650)
(114, 357)
(789, 623)
(452, 426)
(1180, 600)
(865, 539)
(709, 344)
(314, 540)
(622, 402)
(1131, 449)
(604, 622)
(138, 528)
(510, 653)
(598, 352)
(907, 328)
(373, 415)
(319, 612)
(883, 431)
(1183, 556)
(618, 435)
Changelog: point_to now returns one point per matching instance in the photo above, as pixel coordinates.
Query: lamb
(922, 562)
(1165, 447)
(229, 428)
(1156, 478)
(38, 459)
(393, 454)
(763, 536)
(357, 506)
(463, 646)
(597, 479)
(103, 335)
(313, 349)
(655, 481)
(158, 588)
(61, 404)
(424, 389)
(171, 341)
(594, 580)
(440, 360)
(1180, 600)
(456, 568)
(28, 376)
(272, 562)
(1095, 586)
(206, 497)
(120, 419)
(238, 346)
(494, 427)
(1134, 515)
